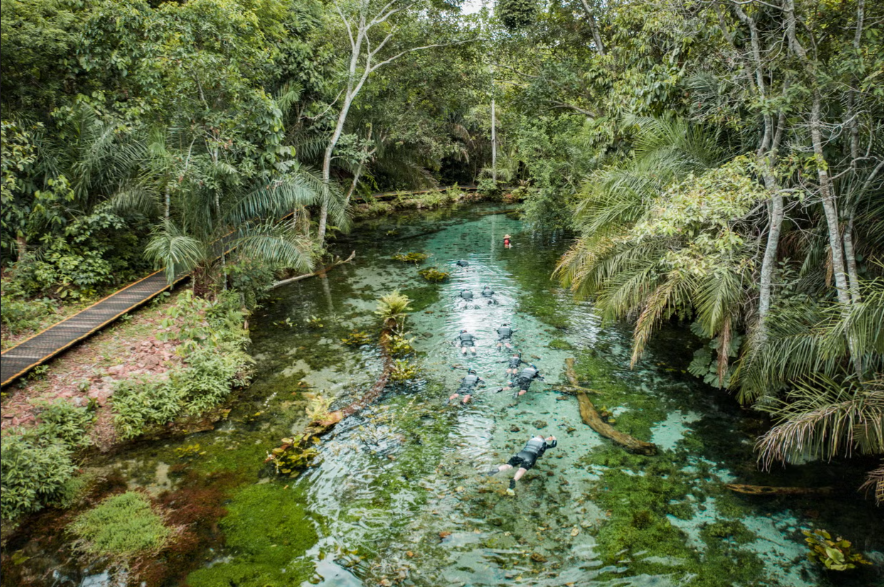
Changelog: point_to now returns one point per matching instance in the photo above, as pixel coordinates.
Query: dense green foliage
(37, 464)
(212, 346)
(34, 473)
(720, 164)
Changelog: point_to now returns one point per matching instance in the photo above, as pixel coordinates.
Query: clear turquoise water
(394, 496)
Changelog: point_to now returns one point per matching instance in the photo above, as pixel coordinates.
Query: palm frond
(171, 249)
(823, 418)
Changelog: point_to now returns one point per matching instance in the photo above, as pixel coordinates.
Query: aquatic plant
(122, 528)
(433, 275)
(318, 408)
(268, 528)
(413, 257)
(835, 554)
(357, 338)
(292, 457)
(393, 309)
(404, 370)
(189, 452)
(399, 345)
(315, 322)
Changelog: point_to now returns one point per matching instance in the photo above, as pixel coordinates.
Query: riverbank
(393, 495)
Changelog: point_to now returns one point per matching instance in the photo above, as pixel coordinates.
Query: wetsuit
(514, 362)
(533, 450)
(487, 292)
(466, 339)
(526, 377)
(467, 295)
(462, 263)
(505, 333)
(469, 383)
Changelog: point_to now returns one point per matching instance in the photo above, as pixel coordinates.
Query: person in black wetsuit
(467, 386)
(524, 379)
(462, 263)
(513, 364)
(525, 459)
(466, 295)
(467, 341)
(488, 293)
(505, 336)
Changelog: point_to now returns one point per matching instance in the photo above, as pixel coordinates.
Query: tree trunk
(828, 200)
(600, 46)
(21, 247)
(592, 419)
(223, 244)
(493, 139)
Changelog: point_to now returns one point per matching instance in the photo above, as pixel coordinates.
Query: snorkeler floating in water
(487, 292)
(505, 336)
(462, 263)
(523, 381)
(467, 341)
(466, 295)
(513, 364)
(467, 387)
(525, 459)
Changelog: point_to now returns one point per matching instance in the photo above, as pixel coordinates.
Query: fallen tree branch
(325, 269)
(592, 419)
(572, 390)
(768, 490)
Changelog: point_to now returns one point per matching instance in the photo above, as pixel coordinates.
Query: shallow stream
(394, 496)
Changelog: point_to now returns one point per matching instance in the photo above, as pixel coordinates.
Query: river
(394, 496)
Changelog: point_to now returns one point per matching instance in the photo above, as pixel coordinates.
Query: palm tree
(637, 267)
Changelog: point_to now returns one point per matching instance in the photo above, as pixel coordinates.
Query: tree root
(322, 271)
(592, 419)
(767, 490)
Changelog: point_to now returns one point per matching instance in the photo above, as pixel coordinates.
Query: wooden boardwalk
(46, 344)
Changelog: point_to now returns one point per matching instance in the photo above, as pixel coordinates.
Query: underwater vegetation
(268, 528)
(413, 257)
(357, 338)
(292, 456)
(404, 370)
(433, 275)
(836, 554)
(399, 345)
(123, 528)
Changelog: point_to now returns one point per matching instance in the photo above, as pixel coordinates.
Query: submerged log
(768, 490)
(322, 271)
(592, 419)
(372, 394)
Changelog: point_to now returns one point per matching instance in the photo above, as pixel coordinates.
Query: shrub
(19, 315)
(66, 422)
(31, 473)
(209, 376)
(141, 402)
(121, 528)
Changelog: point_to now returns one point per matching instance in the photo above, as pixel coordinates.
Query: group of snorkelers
(520, 380)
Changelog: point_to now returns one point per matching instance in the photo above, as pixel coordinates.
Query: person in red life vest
(506, 241)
